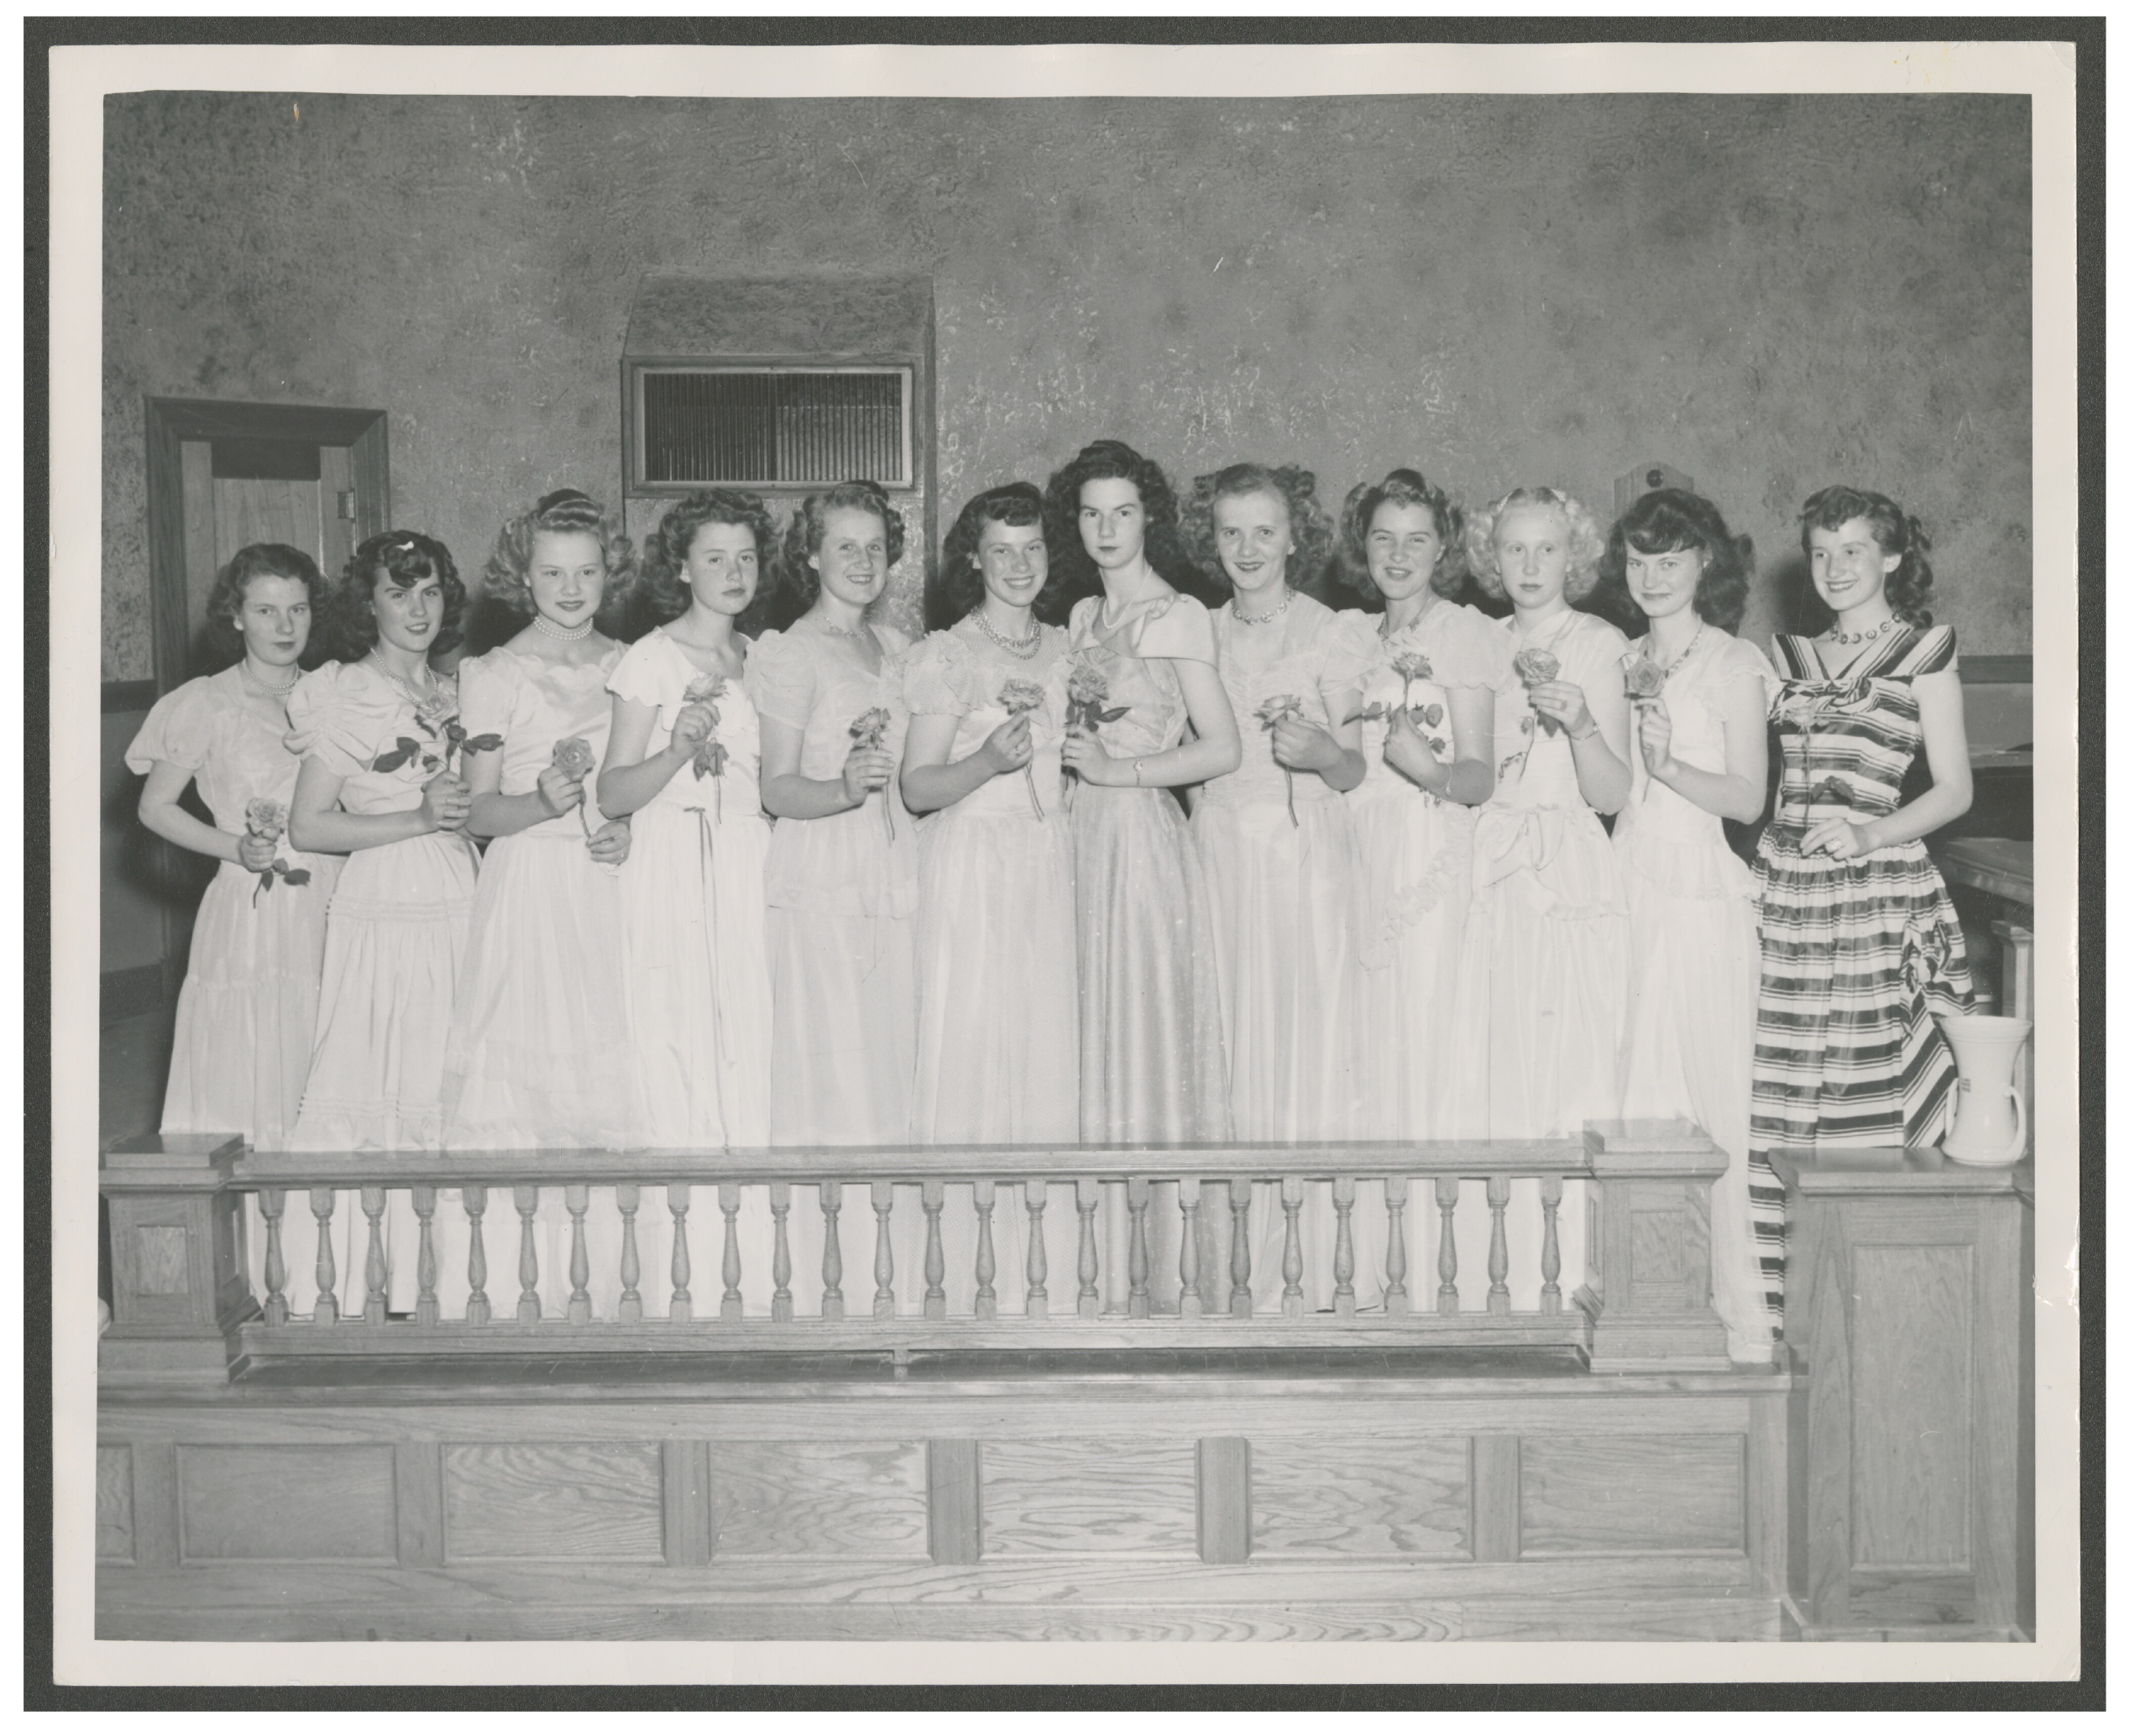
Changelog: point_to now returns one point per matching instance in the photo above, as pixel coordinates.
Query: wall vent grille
(773, 427)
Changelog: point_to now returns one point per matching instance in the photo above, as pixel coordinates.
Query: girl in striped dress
(1860, 946)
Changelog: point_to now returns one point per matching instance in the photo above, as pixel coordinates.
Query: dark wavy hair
(666, 591)
(506, 574)
(1909, 586)
(1401, 488)
(805, 534)
(1163, 550)
(405, 557)
(1313, 533)
(1668, 518)
(959, 587)
(267, 560)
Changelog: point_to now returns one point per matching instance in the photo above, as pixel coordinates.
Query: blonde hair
(1586, 542)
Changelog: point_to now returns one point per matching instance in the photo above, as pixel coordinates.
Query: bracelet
(1585, 734)
(1137, 772)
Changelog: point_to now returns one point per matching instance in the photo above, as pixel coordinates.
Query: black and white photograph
(1012, 847)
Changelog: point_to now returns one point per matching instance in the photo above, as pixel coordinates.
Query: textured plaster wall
(1770, 294)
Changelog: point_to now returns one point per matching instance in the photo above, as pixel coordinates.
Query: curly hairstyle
(405, 557)
(805, 535)
(1162, 551)
(1312, 530)
(1400, 488)
(506, 574)
(661, 581)
(266, 560)
(959, 587)
(1586, 542)
(1667, 519)
(1909, 586)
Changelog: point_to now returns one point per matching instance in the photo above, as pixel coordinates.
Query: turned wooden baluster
(1396, 1189)
(372, 1200)
(679, 1251)
(631, 1307)
(524, 1200)
(1292, 1304)
(984, 1252)
(1343, 1303)
(472, 1200)
(783, 1298)
(1497, 1245)
(1447, 1190)
(275, 1311)
(1549, 1254)
(1243, 1301)
(425, 1201)
(835, 1304)
(1140, 1259)
(731, 1199)
(1088, 1249)
(324, 1311)
(1192, 1206)
(579, 1306)
(883, 1306)
(1036, 1251)
(932, 1262)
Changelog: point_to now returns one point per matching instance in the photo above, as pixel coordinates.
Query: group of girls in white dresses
(1267, 871)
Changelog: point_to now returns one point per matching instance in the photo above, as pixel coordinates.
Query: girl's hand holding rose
(558, 791)
(445, 802)
(1300, 745)
(255, 854)
(1565, 703)
(610, 844)
(1653, 725)
(867, 769)
(1083, 754)
(693, 724)
(1009, 745)
(1406, 750)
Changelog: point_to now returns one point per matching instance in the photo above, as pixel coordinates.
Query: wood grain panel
(1377, 1495)
(161, 1260)
(250, 509)
(1912, 1352)
(286, 1504)
(1131, 1496)
(114, 1504)
(817, 1498)
(587, 1501)
(1636, 1495)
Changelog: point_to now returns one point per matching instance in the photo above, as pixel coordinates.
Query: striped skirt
(1856, 959)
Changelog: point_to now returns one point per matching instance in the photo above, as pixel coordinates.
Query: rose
(867, 731)
(1645, 679)
(1278, 708)
(1018, 696)
(265, 817)
(1088, 708)
(574, 758)
(1413, 666)
(1535, 664)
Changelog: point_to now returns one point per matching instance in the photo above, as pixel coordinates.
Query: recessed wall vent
(772, 426)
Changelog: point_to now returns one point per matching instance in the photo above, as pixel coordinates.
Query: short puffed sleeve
(1471, 650)
(1740, 661)
(339, 714)
(177, 729)
(1349, 651)
(490, 685)
(1933, 653)
(941, 677)
(638, 676)
(1183, 629)
(781, 679)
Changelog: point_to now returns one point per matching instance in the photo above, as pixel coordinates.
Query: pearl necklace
(1284, 602)
(429, 690)
(1840, 637)
(860, 633)
(1025, 647)
(543, 624)
(1649, 643)
(255, 686)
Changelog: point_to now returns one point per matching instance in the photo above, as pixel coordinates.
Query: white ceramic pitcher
(1984, 1049)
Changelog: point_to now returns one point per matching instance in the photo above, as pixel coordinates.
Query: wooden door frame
(170, 422)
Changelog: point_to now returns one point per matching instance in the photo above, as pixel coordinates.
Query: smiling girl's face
(852, 561)
(409, 615)
(275, 618)
(1013, 561)
(1850, 568)
(1664, 584)
(721, 567)
(1531, 547)
(565, 573)
(1110, 522)
(1254, 535)
(1403, 549)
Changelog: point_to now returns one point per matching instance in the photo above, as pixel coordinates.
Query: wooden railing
(1204, 1247)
